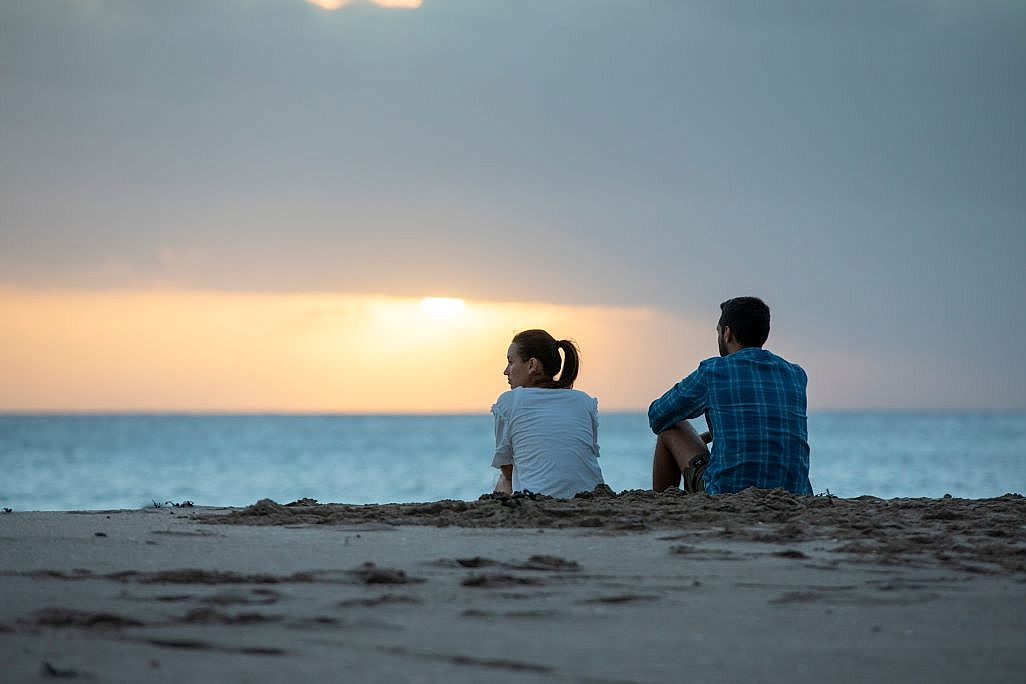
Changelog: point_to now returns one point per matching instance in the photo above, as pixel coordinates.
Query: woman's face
(518, 371)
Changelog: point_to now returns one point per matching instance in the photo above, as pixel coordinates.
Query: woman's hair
(538, 344)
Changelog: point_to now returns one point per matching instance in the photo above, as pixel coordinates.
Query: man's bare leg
(675, 447)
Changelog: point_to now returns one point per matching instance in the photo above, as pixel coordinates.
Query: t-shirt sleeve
(685, 400)
(503, 438)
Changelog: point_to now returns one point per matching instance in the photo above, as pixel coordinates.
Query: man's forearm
(683, 401)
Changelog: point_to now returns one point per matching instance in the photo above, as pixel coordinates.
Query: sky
(239, 205)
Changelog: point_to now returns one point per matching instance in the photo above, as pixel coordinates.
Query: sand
(637, 587)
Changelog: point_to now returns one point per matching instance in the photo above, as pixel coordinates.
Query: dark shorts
(692, 480)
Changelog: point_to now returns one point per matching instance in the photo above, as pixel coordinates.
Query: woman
(546, 432)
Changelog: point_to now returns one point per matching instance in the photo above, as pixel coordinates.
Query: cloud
(332, 5)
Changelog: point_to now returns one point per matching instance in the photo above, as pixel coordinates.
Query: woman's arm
(505, 483)
(503, 457)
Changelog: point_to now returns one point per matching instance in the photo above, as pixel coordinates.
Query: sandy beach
(637, 587)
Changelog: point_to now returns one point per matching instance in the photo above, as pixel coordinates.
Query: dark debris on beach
(980, 535)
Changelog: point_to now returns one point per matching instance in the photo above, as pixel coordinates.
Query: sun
(442, 306)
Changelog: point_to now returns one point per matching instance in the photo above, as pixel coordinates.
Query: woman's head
(533, 361)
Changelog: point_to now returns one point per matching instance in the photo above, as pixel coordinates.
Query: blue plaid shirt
(754, 402)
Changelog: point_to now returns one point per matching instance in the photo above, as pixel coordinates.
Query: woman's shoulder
(505, 400)
(538, 394)
(585, 398)
(562, 397)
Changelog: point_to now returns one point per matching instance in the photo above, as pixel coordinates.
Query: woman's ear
(534, 366)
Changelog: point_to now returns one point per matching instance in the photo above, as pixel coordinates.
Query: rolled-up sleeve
(685, 400)
(503, 439)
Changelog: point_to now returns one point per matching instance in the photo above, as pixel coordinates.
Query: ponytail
(571, 364)
(538, 344)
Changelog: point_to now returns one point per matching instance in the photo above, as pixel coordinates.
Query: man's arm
(687, 399)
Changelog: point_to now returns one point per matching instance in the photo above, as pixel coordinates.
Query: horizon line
(437, 414)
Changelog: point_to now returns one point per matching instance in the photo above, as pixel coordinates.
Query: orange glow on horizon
(209, 351)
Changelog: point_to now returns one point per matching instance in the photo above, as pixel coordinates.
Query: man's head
(744, 322)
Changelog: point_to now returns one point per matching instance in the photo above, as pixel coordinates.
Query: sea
(101, 462)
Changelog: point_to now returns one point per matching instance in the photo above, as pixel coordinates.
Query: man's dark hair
(748, 318)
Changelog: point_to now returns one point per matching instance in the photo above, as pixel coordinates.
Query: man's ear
(728, 335)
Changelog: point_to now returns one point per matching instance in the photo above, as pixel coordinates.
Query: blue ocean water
(77, 462)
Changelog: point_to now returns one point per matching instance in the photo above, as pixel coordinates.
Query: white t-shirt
(550, 436)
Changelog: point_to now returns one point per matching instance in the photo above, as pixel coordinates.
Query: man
(755, 405)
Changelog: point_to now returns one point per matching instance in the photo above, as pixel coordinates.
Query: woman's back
(551, 437)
